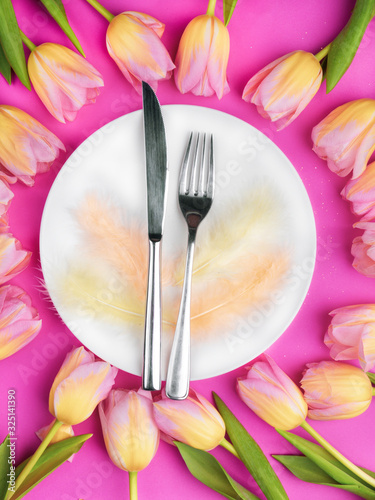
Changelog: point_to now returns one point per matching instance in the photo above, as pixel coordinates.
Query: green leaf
(11, 42)
(306, 470)
(57, 11)
(228, 9)
(371, 376)
(4, 467)
(251, 455)
(204, 467)
(54, 455)
(323, 459)
(345, 45)
(5, 68)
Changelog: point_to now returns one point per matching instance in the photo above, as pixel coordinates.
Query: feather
(99, 294)
(219, 302)
(107, 238)
(256, 224)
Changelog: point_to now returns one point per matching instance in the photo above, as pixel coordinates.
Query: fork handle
(152, 333)
(178, 375)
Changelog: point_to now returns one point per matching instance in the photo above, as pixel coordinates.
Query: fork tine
(202, 170)
(210, 177)
(195, 169)
(184, 172)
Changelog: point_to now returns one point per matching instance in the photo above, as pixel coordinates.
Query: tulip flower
(79, 386)
(346, 137)
(363, 249)
(283, 89)
(193, 421)
(133, 42)
(63, 80)
(19, 321)
(130, 433)
(26, 147)
(6, 196)
(351, 335)
(202, 57)
(13, 258)
(360, 192)
(272, 395)
(335, 390)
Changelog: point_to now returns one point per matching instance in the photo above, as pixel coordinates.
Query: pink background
(260, 31)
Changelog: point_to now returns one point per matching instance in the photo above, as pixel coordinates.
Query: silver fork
(195, 195)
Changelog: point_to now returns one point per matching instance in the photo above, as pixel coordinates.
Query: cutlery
(196, 191)
(156, 173)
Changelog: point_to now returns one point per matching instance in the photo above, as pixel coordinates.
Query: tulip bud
(193, 421)
(363, 249)
(79, 386)
(335, 390)
(283, 89)
(19, 321)
(360, 192)
(202, 57)
(130, 432)
(63, 80)
(272, 395)
(13, 258)
(26, 146)
(133, 42)
(351, 334)
(346, 137)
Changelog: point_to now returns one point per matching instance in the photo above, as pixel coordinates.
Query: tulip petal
(13, 258)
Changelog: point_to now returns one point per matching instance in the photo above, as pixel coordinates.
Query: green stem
(211, 8)
(133, 488)
(37, 454)
(322, 53)
(360, 473)
(228, 446)
(373, 391)
(102, 10)
(29, 44)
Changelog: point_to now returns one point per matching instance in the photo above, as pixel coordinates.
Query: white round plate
(111, 164)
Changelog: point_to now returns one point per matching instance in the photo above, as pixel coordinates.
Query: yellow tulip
(79, 386)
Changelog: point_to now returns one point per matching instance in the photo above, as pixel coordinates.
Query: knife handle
(152, 334)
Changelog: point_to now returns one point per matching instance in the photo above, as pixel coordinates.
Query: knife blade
(156, 175)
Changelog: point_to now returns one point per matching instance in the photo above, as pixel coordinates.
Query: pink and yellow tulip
(19, 321)
(202, 57)
(6, 196)
(63, 80)
(130, 433)
(272, 395)
(133, 42)
(193, 421)
(360, 192)
(13, 258)
(346, 137)
(335, 390)
(26, 146)
(351, 334)
(283, 89)
(79, 386)
(363, 249)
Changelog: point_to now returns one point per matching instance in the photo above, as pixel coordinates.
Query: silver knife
(156, 172)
